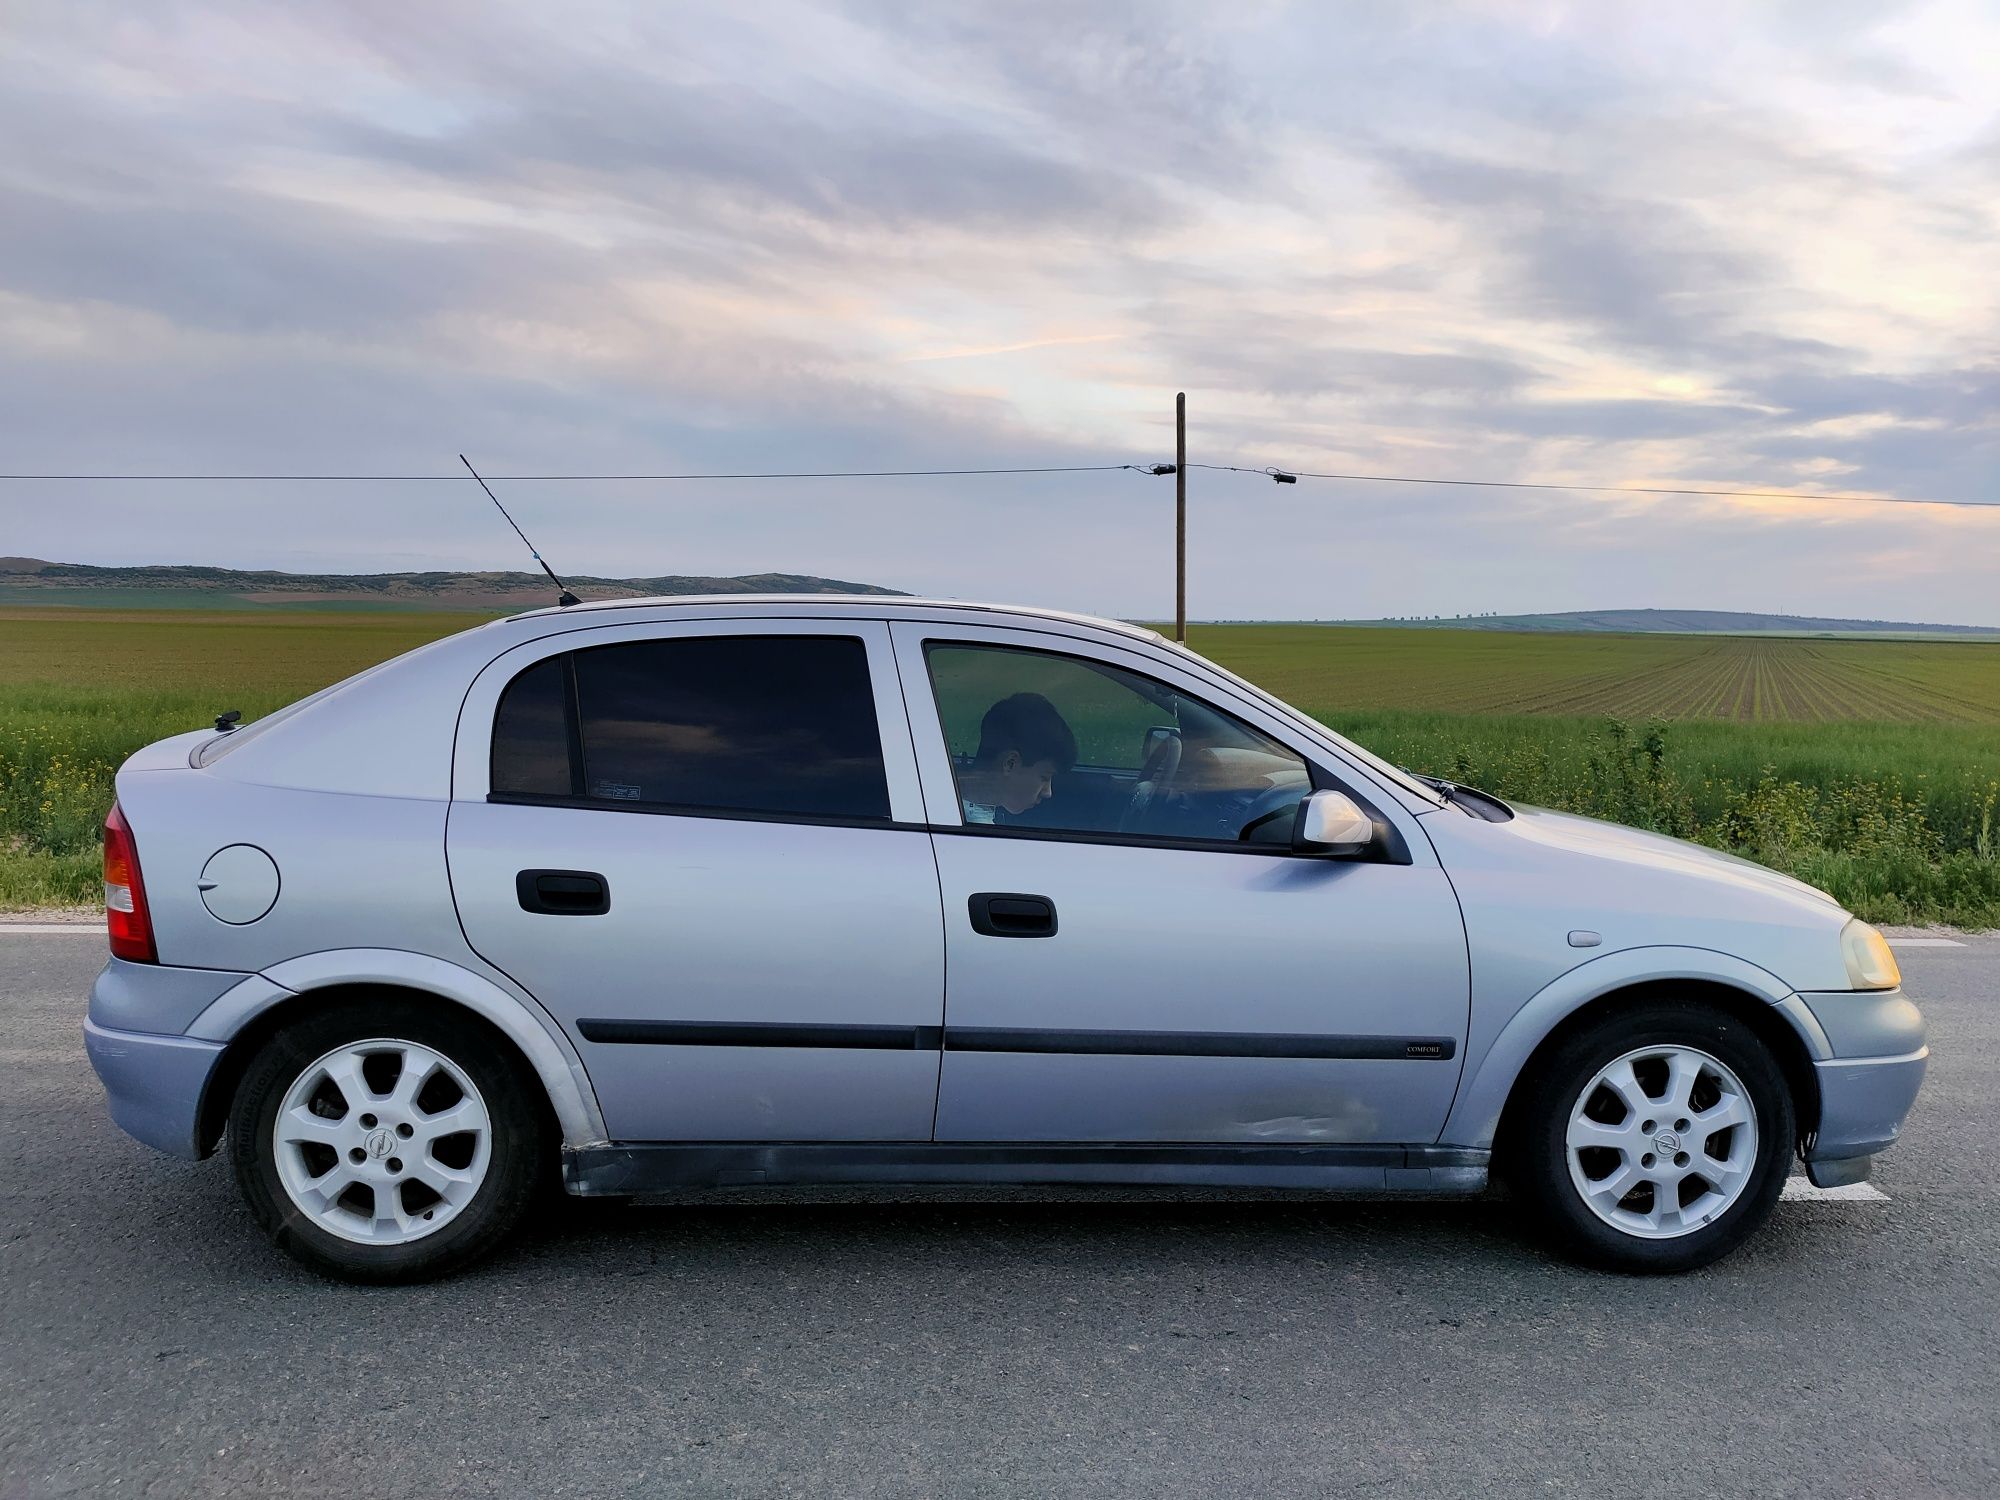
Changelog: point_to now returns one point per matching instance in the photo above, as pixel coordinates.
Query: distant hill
(1690, 622)
(30, 580)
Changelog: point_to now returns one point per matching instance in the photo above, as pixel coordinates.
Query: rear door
(696, 845)
(1141, 956)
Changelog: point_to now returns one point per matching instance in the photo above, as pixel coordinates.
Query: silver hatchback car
(672, 893)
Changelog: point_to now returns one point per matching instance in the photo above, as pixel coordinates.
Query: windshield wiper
(1468, 800)
(1438, 784)
(1448, 791)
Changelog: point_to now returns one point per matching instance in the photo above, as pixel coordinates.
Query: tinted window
(531, 734)
(767, 724)
(1039, 740)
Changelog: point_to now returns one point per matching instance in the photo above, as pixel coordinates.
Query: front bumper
(154, 1084)
(1862, 1102)
(1869, 1083)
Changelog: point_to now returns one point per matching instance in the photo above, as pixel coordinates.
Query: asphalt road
(991, 1344)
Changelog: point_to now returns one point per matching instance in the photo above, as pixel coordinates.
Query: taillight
(125, 914)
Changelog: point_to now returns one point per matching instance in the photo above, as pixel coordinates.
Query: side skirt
(617, 1168)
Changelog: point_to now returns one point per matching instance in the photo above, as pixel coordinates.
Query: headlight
(1870, 964)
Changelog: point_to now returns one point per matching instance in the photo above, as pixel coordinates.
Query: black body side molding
(1019, 1039)
(762, 1034)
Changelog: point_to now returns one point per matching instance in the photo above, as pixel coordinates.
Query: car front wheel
(385, 1141)
(1655, 1139)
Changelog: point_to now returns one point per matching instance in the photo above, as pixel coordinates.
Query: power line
(590, 478)
(1283, 476)
(1288, 476)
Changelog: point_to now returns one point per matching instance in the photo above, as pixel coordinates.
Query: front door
(1134, 951)
(693, 844)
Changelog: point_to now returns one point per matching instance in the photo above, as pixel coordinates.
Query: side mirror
(1332, 823)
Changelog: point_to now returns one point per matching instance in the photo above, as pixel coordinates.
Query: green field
(1330, 670)
(81, 689)
(1871, 768)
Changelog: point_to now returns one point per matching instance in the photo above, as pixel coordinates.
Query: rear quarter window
(531, 750)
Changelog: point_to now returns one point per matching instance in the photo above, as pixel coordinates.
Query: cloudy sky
(1716, 246)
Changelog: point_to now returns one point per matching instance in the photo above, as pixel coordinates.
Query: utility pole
(1180, 517)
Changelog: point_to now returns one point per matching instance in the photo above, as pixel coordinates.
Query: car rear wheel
(385, 1142)
(1655, 1139)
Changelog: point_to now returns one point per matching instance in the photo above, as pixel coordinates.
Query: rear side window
(771, 725)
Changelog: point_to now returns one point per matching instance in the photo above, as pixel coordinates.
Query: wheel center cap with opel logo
(379, 1143)
(1666, 1143)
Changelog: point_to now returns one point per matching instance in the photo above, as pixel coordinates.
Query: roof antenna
(564, 598)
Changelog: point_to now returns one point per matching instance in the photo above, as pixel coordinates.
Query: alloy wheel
(382, 1142)
(1662, 1141)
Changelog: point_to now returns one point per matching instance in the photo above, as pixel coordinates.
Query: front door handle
(563, 893)
(1000, 914)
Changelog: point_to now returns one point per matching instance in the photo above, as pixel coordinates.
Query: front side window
(1040, 740)
(764, 724)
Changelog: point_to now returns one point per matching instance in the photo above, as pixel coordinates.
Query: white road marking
(45, 929)
(1800, 1190)
(1925, 943)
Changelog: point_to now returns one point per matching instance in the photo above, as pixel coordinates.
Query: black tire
(1534, 1152)
(520, 1143)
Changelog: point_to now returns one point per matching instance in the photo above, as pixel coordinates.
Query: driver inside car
(1023, 743)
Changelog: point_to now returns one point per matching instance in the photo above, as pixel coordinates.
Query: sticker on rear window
(618, 791)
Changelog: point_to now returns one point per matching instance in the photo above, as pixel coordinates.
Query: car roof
(875, 606)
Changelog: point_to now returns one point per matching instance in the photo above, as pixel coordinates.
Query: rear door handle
(1000, 914)
(563, 893)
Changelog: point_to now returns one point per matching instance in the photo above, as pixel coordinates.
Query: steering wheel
(1156, 780)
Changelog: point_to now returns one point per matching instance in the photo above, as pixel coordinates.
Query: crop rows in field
(1749, 679)
(135, 662)
(1760, 679)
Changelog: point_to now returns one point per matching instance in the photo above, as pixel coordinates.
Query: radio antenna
(564, 598)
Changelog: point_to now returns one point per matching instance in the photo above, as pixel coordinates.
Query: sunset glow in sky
(1727, 246)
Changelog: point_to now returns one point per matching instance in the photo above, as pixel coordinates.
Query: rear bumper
(156, 998)
(154, 1084)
